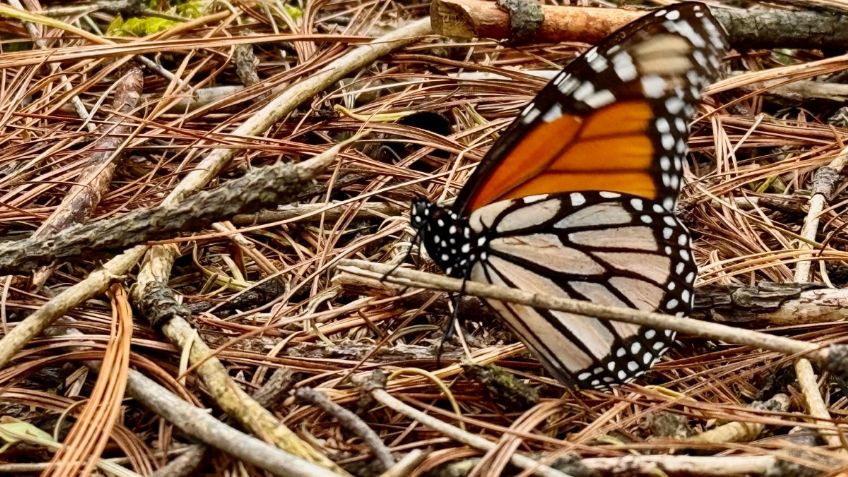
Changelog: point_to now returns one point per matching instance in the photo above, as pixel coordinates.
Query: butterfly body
(577, 198)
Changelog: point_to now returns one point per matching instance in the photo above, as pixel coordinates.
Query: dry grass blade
(88, 438)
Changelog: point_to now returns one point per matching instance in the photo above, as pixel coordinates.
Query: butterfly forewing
(615, 119)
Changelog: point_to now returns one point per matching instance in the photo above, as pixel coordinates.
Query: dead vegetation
(250, 320)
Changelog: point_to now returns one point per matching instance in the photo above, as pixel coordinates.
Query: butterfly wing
(608, 248)
(615, 119)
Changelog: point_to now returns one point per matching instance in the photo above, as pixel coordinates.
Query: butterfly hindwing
(603, 247)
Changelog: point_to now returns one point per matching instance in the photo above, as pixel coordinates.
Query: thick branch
(746, 29)
(258, 188)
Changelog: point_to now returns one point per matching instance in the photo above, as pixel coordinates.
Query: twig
(824, 182)
(831, 357)
(314, 212)
(683, 464)
(349, 421)
(96, 176)
(199, 424)
(406, 464)
(743, 431)
(185, 464)
(458, 434)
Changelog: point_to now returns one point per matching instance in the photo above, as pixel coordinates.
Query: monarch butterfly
(577, 198)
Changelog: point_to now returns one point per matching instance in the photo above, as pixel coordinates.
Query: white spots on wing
(577, 199)
(609, 195)
(568, 86)
(530, 114)
(553, 113)
(531, 199)
(637, 204)
(622, 64)
(667, 141)
(674, 104)
(597, 62)
(599, 99)
(699, 57)
(560, 77)
(665, 163)
(583, 92)
(653, 86)
(672, 15)
(685, 29)
(680, 125)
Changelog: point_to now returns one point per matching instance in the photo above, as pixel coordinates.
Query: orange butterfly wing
(615, 119)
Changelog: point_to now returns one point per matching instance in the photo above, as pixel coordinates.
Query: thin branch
(349, 421)
(688, 326)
